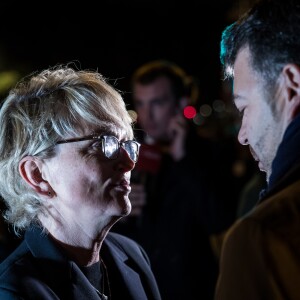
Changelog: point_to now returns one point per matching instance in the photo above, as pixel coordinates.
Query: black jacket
(37, 269)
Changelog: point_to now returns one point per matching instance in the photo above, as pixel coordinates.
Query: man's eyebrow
(159, 98)
(137, 100)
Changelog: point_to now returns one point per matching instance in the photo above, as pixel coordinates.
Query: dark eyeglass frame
(103, 139)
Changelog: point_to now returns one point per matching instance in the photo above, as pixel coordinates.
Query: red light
(189, 112)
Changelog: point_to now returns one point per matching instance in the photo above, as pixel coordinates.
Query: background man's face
(155, 105)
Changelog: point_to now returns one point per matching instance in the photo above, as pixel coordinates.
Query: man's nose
(151, 113)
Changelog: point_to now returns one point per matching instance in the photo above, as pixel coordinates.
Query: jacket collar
(64, 276)
(286, 164)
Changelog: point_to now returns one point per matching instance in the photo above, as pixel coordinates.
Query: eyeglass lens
(111, 148)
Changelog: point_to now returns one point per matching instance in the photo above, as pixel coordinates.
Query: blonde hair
(42, 109)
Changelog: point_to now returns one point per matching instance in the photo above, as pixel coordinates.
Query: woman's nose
(242, 137)
(124, 162)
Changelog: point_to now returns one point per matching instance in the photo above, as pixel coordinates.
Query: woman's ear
(30, 170)
(291, 73)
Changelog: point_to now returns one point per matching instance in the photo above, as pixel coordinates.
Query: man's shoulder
(277, 216)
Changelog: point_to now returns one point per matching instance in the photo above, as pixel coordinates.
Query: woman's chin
(124, 206)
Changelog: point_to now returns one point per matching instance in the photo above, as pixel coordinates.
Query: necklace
(106, 293)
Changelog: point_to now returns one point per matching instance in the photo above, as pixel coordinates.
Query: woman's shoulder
(10, 267)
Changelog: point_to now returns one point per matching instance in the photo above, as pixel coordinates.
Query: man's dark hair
(271, 30)
(149, 72)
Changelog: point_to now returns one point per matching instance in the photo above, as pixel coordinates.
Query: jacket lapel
(63, 276)
(125, 268)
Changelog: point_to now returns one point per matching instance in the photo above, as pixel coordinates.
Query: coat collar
(64, 276)
(286, 164)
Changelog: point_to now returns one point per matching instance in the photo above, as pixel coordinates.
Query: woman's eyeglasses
(110, 146)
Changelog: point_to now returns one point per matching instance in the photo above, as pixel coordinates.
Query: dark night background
(116, 36)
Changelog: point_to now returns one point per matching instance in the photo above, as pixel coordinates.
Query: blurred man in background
(173, 194)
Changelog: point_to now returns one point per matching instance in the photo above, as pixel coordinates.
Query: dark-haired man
(261, 52)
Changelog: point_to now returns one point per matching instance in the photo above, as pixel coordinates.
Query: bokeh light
(198, 119)
(189, 112)
(219, 106)
(205, 110)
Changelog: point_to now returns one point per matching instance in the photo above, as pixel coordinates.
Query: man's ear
(30, 170)
(291, 73)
